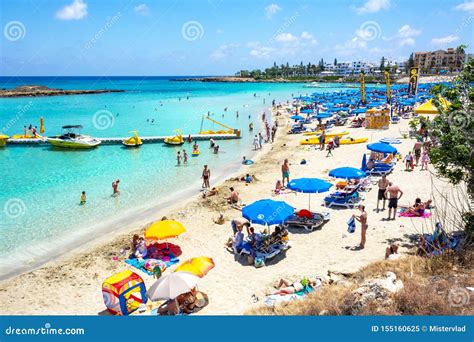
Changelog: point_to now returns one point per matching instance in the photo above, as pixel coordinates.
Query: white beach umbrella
(172, 285)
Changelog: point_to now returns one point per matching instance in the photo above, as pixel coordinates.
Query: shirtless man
(362, 218)
(395, 194)
(206, 174)
(234, 196)
(417, 151)
(285, 172)
(382, 184)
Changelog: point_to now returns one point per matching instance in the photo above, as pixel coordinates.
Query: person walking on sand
(425, 159)
(285, 172)
(260, 140)
(185, 157)
(362, 218)
(417, 151)
(408, 162)
(393, 193)
(178, 158)
(382, 185)
(255, 143)
(206, 175)
(115, 188)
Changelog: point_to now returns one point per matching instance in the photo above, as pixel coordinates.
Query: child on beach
(83, 198)
(178, 157)
(256, 145)
(408, 162)
(425, 159)
(185, 157)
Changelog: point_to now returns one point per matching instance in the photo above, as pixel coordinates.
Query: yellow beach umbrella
(429, 108)
(162, 230)
(41, 125)
(198, 266)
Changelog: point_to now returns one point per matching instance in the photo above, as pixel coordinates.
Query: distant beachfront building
(451, 60)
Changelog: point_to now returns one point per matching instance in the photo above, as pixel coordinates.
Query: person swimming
(115, 188)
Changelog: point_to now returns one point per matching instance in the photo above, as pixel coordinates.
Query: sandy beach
(71, 284)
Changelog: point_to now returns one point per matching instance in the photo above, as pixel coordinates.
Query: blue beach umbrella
(306, 111)
(382, 148)
(321, 116)
(296, 117)
(390, 141)
(347, 173)
(267, 212)
(309, 186)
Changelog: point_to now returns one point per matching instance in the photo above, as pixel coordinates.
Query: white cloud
(406, 42)
(444, 40)
(285, 38)
(142, 9)
(74, 11)
(219, 31)
(223, 51)
(406, 31)
(260, 51)
(373, 6)
(467, 6)
(306, 35)
(271, 9)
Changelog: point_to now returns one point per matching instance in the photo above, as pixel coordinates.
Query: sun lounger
(438, 242)
(307, 220)
(342, 199)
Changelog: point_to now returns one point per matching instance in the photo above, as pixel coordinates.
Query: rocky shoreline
(37, 91)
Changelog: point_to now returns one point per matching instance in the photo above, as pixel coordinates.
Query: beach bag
(351, 226)
(259, 262)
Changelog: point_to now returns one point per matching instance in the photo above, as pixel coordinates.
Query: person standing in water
(115, 187)
(362, 218)
(178, 158)
(83, 198)
(185, 157)
(206, 175)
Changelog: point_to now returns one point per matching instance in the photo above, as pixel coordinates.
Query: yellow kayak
(312, 133)
(3, 140)
(350, 141)
(315, 140)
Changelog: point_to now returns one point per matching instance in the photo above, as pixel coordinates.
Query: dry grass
(432, 286)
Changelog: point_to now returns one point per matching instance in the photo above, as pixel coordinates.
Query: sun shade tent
(165, 229)
(382, 148)
(347, 173)
(123, 293)
(429, 108)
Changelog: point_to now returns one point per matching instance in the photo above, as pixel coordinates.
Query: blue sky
(216, 37)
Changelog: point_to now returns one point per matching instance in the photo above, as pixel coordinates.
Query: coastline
(43, 91)
(72, 282)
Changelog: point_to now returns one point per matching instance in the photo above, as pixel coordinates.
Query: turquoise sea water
(40, 216)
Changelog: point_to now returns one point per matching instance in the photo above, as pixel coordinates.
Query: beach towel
(140, 264)
(272, 300)
(351, 225)
(408, 214)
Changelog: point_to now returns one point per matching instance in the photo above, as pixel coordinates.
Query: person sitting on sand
(418, 209)
(391, 252)
(220, 219)
(248, 179)
(115, 188)
(238, 240)
(234, 196)
(141, 251)
(286, 286)
(134, 244)
(209, 193)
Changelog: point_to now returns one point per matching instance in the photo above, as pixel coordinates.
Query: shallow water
(41, 186)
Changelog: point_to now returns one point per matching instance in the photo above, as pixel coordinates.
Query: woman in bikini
(286, 286)
(206, 174)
